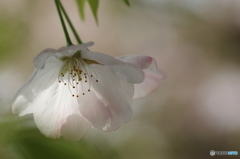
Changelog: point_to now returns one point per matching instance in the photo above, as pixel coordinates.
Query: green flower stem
(58, 5)
(70, 23)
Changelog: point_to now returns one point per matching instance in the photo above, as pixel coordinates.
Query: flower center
(77, 75)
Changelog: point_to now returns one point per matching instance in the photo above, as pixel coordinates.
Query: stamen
(72, 70)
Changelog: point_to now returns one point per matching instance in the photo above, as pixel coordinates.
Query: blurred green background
(195, 110)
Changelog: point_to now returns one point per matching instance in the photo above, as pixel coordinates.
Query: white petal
(127, 71)
(75, 127)
(40, 59)
(70, 50)
(40, 80)
(108, 103)
(55, 107)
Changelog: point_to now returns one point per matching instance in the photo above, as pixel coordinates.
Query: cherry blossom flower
(73, 89)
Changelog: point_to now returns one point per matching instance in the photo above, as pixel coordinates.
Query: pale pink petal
(128, 90)
(126, 71)
(152, 75)
(148, 86)
(101, 116)
(141, 61)
(153, 67)
(107, 103)
(109, 90)
(74, 128)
